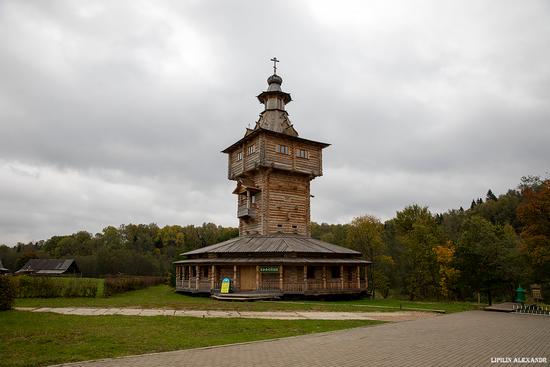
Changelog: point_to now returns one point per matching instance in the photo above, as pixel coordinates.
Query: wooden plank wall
(266, 155)
(288, 203)
(311, 165)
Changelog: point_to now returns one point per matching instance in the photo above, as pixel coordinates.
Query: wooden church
(274, 254)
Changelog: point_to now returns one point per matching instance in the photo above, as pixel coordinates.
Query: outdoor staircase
(247, 296)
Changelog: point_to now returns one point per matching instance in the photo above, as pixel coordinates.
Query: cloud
(116, 112)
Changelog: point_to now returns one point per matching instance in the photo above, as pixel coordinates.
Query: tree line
(484, 251)
(133, 249)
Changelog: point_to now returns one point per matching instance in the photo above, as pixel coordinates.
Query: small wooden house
(50, 267)
(273, 167)
(3, 270)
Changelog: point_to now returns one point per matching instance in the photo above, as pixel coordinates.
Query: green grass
(164, 297)
(38, 339)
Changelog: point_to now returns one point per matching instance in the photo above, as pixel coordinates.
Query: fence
(274, 285)
(532, 309)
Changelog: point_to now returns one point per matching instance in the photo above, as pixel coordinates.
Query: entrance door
(248, 278)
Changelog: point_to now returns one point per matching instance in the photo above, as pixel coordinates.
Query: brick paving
(461, 339)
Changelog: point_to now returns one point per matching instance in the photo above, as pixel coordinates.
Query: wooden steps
(243, 297)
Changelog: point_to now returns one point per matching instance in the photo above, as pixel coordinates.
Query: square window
(302, 153)
(283, 149)
(239, 156)
(251, 149)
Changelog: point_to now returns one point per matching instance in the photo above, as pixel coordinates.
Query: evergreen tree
(490, 196)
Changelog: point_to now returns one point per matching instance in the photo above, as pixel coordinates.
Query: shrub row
(121, 284)
(48, 287)
(7, 292)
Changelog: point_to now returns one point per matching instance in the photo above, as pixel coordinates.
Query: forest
(481, 252)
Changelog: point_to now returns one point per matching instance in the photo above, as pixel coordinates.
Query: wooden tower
(273, 168)
(274, 254)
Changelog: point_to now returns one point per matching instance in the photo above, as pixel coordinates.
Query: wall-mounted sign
(226, 282)
(269, 269)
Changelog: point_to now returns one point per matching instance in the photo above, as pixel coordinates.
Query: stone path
(462, 339)
(285, 315)
(502, 307)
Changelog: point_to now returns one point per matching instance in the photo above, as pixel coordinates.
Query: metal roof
(276, 243)
(272, 260)
(46, 266)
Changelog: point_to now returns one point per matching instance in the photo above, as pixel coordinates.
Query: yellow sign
(226, 282)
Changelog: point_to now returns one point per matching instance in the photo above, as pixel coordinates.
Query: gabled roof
(47, 266)
(275, 243)
(245, 184)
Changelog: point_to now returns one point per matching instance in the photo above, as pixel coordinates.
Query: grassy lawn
(38, 339)
(164, 297)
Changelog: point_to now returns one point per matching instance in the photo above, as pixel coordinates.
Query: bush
(49, 287)
(7, 292)
(121, 284)
(80, 288)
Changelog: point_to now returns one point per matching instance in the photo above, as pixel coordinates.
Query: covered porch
(285, 276)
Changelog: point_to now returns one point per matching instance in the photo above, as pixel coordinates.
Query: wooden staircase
(247, 296)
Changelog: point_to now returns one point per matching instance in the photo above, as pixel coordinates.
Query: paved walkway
(503, 307)
(461, 339)
(286, 315)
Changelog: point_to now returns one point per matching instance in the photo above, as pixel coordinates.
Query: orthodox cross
(275, 61)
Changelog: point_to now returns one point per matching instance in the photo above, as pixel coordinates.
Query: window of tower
(251, 149)
(302, 153)
(283, 149)
(253, 199)
(239, 156)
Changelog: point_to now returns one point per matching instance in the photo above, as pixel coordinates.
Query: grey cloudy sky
(115, 112)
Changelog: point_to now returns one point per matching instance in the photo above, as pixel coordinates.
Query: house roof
(275, 243)
(46, 266)
(2, 268)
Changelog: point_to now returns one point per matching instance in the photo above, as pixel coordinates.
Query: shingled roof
(49, 266)
(276, 243)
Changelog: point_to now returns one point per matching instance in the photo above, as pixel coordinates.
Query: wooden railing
(274, 285)
(205, 284)
(269, 285)
(243, 212)
(314, 285)
(293, 287)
